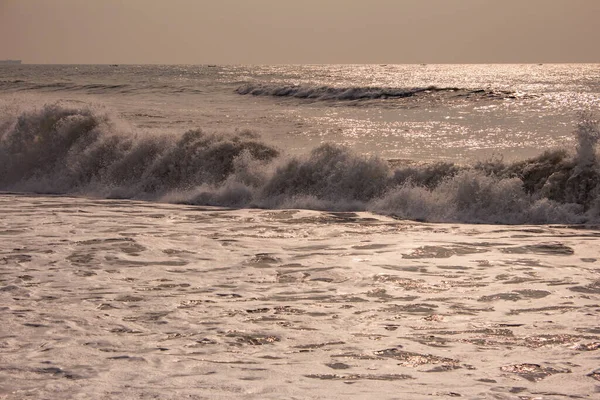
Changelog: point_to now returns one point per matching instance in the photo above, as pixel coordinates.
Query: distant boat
(14, 62)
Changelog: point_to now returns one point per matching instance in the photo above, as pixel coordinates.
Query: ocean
(299, 231)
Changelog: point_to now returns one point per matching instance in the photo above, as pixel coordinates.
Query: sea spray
(330, 173)
(81, 150)
(472, 196)
(61, 149)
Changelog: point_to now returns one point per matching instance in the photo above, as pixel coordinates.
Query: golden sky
(299, 31)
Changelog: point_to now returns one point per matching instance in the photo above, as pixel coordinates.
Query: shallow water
(106, 299)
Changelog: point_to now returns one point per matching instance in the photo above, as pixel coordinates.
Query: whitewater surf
(278, 232)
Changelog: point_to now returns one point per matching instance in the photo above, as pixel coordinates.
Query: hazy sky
(299, 31)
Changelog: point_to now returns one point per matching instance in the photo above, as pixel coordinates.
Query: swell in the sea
(305, 92)
(66, 150)
(328, 93)
(19, 85)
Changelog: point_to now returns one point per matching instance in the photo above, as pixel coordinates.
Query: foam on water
(105, 299)
(80, 150)
(170, 301)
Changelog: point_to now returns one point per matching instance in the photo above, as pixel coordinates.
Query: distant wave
(325, 93)
(305, 92)
(60, 149)
(19, 85)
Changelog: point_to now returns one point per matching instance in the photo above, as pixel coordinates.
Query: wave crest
(324, 93)
(19, 85)
(60, 149)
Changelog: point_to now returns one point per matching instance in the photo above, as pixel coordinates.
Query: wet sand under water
(105, 299)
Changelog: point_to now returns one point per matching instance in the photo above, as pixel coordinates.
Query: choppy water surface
(390, 139)
(104, 299)
(279, 232)
(458, 113)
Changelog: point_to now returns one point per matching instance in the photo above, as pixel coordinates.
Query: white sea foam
(110, 298)
(64, 149)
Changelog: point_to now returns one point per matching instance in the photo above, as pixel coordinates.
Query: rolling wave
(304, 92)
(324, 93)
(19, 85)
(68, 150)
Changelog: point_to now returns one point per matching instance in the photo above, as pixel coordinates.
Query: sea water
(299, 231)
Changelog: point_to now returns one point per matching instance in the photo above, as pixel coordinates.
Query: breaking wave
(305, 92)
(68, 150)
(324, 93)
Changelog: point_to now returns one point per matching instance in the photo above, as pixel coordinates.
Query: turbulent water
(299, 231)
(333, 138)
